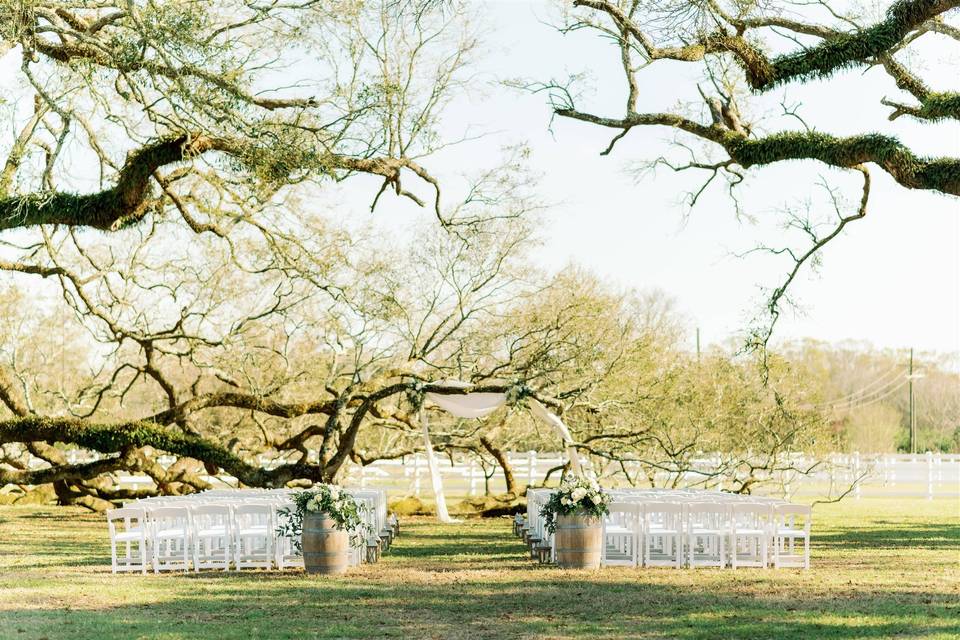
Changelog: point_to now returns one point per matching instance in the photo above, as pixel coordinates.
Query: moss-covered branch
(128, 201)
(850, 49)
(60, 472)
(246, 401)
(115, 438)
(837, 51)
(933, 105)
(908, 169)
(125, 202)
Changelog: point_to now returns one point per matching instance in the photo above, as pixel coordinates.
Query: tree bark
(504, 463)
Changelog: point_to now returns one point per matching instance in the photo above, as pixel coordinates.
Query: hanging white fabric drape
(554, 420)
(435, 481)
(469, 405)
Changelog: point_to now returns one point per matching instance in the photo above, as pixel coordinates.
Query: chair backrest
(168, 517)
(797, 509)
(208, 515)
(787, 513)
(131, 517)
(752, 515)
(758, 508)
(667, 514)
(253, 514)
(707, 507)
(662, 507)
(624, 514)
(168, 513)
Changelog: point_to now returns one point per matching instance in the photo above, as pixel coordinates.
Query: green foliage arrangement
(329, 499)
(575, 496)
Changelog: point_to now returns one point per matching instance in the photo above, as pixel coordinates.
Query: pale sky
(892, 279)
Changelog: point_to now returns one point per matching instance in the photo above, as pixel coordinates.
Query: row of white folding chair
(375, 500)
(201, 535)
(537, 497)
(254, 544)
(705, 534)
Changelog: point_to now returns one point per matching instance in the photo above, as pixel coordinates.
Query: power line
(863, 396)
(879, 398)
(886, 378)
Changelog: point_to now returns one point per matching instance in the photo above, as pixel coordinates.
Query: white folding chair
(253, 535)
(707, 525)
(663, 534)
(750, 527)
(170, 538)
(622, 529)
(211, 534)
(791, 522)
(128, 526)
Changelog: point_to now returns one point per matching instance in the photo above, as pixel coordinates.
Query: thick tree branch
(115, 438)
(61, 472)
(128, 200)
(908, 169)
(838, 51)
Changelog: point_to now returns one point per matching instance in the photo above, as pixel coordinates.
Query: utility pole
(913, 414)
(913, 430)
(698, 344)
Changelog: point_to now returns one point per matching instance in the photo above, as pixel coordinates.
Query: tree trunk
(501, 459)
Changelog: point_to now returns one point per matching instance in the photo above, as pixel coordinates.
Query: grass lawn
(880, 569)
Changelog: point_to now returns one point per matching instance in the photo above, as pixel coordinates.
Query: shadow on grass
(888, 535)
(294, 606)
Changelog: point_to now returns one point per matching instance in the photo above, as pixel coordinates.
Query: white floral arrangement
(575, 496)
(339, 505)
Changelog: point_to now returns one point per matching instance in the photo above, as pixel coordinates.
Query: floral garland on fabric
(575, 496)
(415, 394)
(517, 394)
(335, 502)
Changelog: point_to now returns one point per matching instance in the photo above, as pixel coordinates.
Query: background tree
(864, 391)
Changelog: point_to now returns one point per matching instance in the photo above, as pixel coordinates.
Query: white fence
(924, 475)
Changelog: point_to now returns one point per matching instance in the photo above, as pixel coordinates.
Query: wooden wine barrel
(578, 541)
(326, 549)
